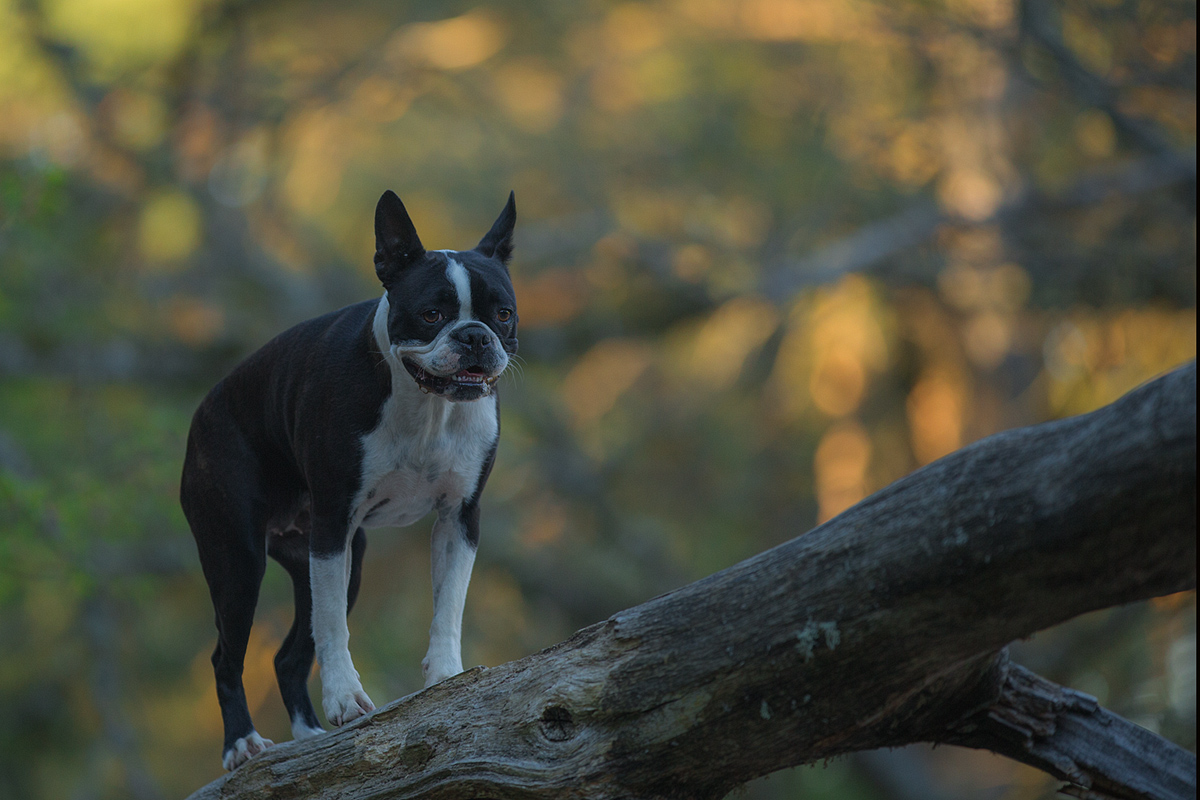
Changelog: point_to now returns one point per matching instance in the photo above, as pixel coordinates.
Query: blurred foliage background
(771, 256)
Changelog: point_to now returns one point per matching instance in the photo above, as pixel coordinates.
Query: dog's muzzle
(465, 367)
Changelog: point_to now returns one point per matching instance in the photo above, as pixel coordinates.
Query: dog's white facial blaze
(438, 356)
(342, 695)
(457, 274)
(453, 558)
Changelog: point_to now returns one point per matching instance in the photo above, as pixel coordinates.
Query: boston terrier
(369, 416)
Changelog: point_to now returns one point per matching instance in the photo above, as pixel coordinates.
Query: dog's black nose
(473, 336)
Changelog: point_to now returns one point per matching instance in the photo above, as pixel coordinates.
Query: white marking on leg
(458, 275)
(452, 562)
(302, 730)
(342, 695)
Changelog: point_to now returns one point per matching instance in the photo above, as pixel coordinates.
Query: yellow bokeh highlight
(988, 337)
(786, 20)
(728, 337)
(840, 468)
(834, 342)
(692, 263)
(1092, 358)
(1096, 134)
(993, 14)
(381, 100)
(117, 34)
(838, 381)
(974, 288)
(314, 177)
(970, 193)
(807, 20)
(633, 28)
(30, 88)
(912, 157)
(531, 94)
(601, 376)
(168, 229)
(453, 44)
(1088, 42)
(936, 408)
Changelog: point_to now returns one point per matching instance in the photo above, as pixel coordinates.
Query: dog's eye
(432, 315)
(504, 315)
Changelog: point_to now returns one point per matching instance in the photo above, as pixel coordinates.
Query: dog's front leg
(455, 535)
(342, 695)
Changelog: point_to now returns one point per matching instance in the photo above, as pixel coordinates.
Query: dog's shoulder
(331, 340)
(322, 374)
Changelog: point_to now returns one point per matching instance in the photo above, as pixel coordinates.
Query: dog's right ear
(396, 242)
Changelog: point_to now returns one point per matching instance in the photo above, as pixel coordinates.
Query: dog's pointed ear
(396, 242)
(498, 242)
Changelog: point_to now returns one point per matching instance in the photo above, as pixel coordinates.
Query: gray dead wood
(1068, 734)
(882, 627)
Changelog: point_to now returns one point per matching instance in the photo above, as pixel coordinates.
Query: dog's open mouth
(471, 377)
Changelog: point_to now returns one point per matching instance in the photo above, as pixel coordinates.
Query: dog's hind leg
(234, 596)
(230, 535)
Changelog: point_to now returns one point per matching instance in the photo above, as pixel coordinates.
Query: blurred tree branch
(873, 245)
(1040, 22)
(883, 627)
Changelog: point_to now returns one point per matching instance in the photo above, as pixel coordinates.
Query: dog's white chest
(405, 495)
(420, 458)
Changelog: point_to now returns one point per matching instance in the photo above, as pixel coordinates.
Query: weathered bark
(882, 627)
(1068, 734)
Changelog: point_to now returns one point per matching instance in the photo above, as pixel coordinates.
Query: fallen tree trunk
(882, 627)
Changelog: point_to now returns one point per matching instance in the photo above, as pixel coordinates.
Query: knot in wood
(557, 724)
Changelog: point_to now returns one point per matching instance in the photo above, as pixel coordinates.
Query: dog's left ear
(396, 242)
(498, 243)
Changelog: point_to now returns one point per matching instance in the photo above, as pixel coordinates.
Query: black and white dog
(369, 416)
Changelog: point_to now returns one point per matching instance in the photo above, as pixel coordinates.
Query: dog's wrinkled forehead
(449, 280)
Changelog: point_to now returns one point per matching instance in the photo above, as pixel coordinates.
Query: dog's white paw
(243, 749)
(346, 705)
(437, 669)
